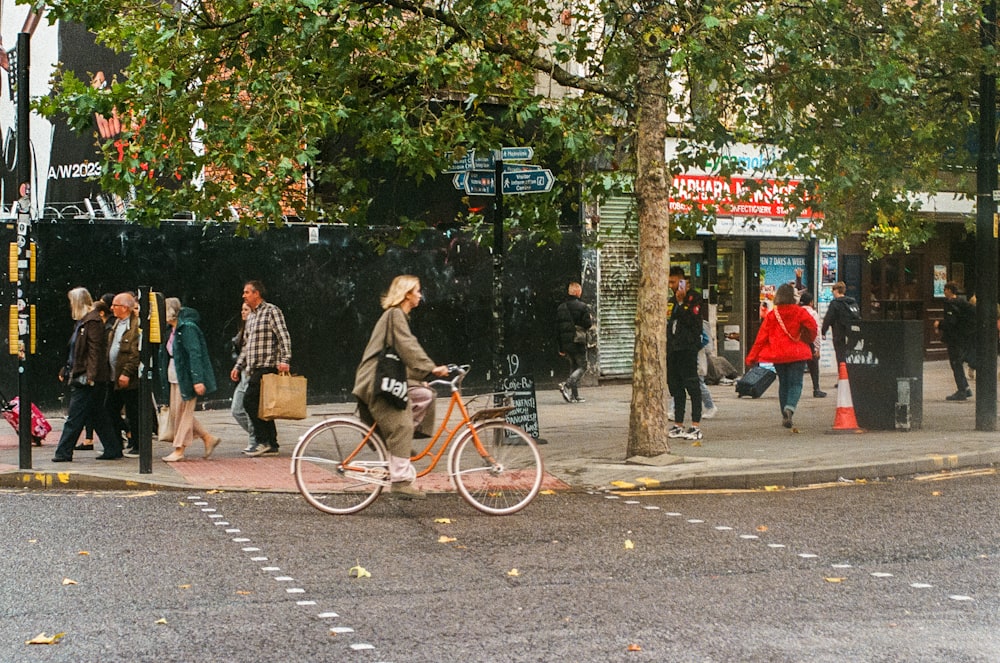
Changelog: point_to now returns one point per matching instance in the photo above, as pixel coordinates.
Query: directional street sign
(481, 184)
(527, 181)
(516, 153)
(463, 164)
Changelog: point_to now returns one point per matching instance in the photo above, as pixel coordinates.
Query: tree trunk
(648, 423)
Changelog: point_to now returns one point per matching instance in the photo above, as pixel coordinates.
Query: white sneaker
(675, 432)
(693, 434)
(709, 412)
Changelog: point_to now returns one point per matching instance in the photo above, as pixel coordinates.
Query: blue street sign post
(478, 176)
(516, 153)
(527, 181)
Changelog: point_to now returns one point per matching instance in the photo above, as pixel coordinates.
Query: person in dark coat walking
(571, 314)
(842, 311)
(683, 344)
(957, 329)
(89, 375)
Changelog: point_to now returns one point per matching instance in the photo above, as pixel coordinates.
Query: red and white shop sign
(732, 196)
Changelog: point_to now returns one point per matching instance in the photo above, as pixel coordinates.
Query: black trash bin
(885, 366)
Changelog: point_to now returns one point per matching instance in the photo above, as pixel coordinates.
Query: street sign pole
(25, 259)
(986, 237)
(498, 251)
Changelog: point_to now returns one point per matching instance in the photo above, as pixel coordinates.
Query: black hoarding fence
(328, 290)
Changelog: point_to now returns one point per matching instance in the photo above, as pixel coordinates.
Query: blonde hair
(398, 289)
(80, 302)
(171, 307)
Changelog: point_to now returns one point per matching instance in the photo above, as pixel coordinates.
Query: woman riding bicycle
(397, 425)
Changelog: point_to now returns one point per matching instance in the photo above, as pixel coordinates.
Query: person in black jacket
(571, 314)
(683, 343)
(958, 330)
(842, 311)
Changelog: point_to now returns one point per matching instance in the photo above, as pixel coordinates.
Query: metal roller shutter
(618, 278)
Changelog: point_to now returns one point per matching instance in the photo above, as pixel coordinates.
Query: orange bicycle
(341, 464)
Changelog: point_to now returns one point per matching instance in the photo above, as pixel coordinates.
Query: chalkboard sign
(521, 389)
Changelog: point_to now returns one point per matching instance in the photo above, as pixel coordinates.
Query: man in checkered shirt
(267, 348)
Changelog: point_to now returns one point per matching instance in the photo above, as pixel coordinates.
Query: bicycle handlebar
(456, 373)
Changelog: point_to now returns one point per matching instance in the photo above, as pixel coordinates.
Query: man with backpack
(843, 310)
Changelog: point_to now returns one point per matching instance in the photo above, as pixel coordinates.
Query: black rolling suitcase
(754, 382)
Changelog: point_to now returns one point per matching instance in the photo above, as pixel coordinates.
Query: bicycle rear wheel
(339, 467)
(502, 473)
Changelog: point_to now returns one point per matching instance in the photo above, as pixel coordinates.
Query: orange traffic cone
(844, 421)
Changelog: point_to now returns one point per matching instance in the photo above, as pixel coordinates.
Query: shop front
(738, 271)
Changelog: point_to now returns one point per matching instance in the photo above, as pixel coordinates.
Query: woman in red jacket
(785, 340)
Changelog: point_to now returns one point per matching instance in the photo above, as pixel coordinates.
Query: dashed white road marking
(751, 537)
(218, 519)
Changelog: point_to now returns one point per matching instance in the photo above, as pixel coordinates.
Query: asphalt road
(894, 571)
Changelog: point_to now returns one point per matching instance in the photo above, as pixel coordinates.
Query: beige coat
(393, 328)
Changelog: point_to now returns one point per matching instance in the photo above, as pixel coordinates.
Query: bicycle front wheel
(497, 469)
(340, 467)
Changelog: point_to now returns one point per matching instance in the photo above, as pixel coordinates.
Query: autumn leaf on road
(42, 639)
(547, 492)
(761, 528)
(446, 539)
(359, 571)
(634, 648)
(629, 545)
(513, 573)
(835, 579)
(443, 521)
(68, 581)
(83, 552)
(161, 620)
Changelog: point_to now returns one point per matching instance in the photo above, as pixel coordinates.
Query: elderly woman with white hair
(89, 375)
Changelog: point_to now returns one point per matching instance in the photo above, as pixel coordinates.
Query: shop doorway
(731, 309)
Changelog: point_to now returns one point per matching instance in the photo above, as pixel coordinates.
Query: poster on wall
(776, 270)
(829, 274)
(64, 164)
(828, 265)
(940, 278)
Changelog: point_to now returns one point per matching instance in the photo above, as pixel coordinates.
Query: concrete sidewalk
(744, 447)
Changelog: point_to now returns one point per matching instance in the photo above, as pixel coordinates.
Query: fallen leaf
(696, 444)
(161, 620)
(547, 492)
(67, 581)
(32, 540)
(214, 491)
(634, 648)
(184, 586)
(243, 592)
(42, 639)
(761, 528)
(936, 493)
(629, 545)
(359, 571)
(771, 489)
(861, 481)
(443, 521)
(835, 579)
(513, 573)
(446, 539)
(795, 430)
(83, 552)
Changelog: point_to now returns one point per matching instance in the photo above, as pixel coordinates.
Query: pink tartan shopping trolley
(11, 411)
